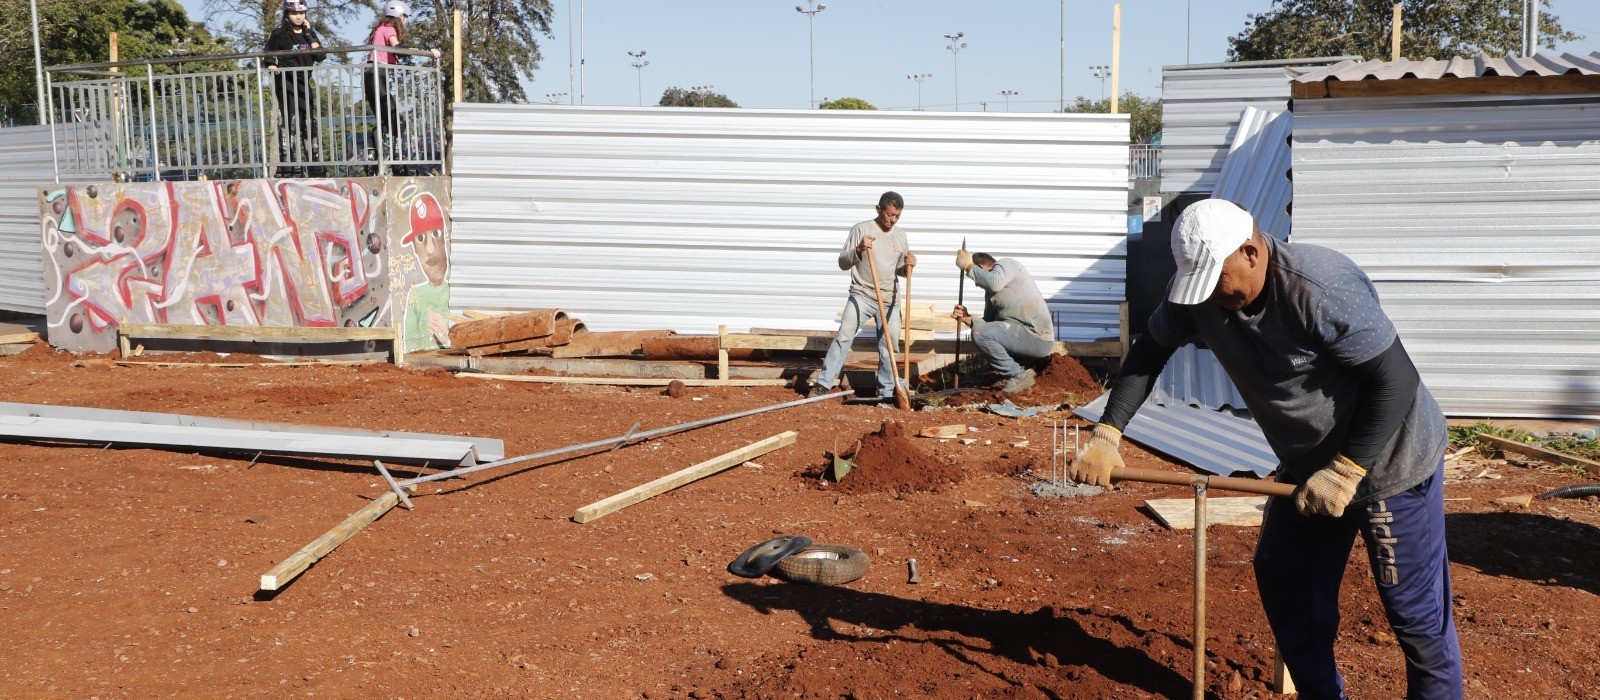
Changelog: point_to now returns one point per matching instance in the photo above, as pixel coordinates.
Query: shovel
(901, 400)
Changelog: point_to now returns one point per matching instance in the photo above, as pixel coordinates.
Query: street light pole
(955, 48)
(1008, 94)
(1063, 105)
(702, 93)
(638, 64)
(919, 77)
(555, 97)
(811, 29)
(1101, 72)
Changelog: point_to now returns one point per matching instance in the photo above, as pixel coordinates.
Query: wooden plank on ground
(304, 333)
(694, 347)
(591, 368)
(606, 506)
(794, 332)
(624, 381)
(286, 571)
(607, 344)
(1538, 452)
(508, 328)
(1178, 513)
(944, 431)
(1102, 348)
(19, 338)
(238, 365)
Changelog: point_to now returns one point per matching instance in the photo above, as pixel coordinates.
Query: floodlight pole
(811, 29)
(955, 48)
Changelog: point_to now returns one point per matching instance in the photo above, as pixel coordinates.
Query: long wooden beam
(605, 507)
(625, 381)
(1102, 348)
(1543, 453)
(204, 332)
(298, 562)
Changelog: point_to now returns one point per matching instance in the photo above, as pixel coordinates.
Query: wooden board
(1178, 513)
(286, 571)
(508, 328)
(565, 329)
(693, 347)
(607, 344)
(944, 431)
(303, 333)
(1538, 452)
(238, 365)
(625, 381)
(1103, 348)
(19, 338)
(604, 507)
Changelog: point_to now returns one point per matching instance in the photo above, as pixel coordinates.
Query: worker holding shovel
(874, 253)
(1299, 330)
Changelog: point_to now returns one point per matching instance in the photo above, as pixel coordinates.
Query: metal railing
(232, 116)
(1144, 162)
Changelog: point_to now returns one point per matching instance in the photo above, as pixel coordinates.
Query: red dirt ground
(131, 573)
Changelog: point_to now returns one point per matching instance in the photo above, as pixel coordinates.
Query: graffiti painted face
(433, 254)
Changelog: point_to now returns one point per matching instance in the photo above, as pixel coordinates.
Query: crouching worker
(1015, 329)
(1299, 330)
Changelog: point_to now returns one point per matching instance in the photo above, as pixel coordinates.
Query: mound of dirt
(1061, 379)
(888, 460)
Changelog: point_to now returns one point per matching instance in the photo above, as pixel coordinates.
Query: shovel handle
(1228, 483)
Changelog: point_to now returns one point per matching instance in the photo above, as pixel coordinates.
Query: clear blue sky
(755, 51)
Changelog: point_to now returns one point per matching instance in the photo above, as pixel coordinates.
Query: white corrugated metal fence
(1476, 217)
(686, 219)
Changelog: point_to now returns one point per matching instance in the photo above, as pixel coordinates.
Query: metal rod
(625, 438)
(80, 67)
(608, 441)
(155, 150)
(1256, 486)
(392, 485)
(1199, 691)
(261, 110)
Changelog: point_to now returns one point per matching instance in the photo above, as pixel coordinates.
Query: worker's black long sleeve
(1389, 385)
(1135, 380)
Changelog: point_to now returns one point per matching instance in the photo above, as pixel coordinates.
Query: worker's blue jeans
(1004, 342)
(856, 312)
(1300, 561)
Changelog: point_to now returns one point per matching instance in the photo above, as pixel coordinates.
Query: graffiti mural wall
(368, 252)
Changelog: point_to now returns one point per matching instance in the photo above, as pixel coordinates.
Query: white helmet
(292, 6)
(397, 8)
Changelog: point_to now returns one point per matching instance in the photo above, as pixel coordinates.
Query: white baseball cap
(1206, 234)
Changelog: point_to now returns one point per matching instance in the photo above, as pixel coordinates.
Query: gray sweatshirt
(1009, 294)
(888, 253)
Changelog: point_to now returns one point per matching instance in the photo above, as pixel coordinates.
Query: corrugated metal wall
(635, 218)
(1479, 220)
(25, 153)
(1200, 106)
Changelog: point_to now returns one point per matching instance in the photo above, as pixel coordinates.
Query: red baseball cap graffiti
(426, 215)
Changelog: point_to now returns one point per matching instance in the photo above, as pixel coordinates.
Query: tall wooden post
(1116, 52)
(455, 68)
(1394, 40)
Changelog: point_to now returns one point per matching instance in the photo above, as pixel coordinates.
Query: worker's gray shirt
(1293, 363)
(888, 253)
(1009, 294)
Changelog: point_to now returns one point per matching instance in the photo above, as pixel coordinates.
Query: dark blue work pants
(1300, 562)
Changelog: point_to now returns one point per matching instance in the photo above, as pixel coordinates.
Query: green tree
(499, 43)
(847, 103)
(1429, 29)
(78, 31)
(247, 23)
(679, 97)
(1144, 115)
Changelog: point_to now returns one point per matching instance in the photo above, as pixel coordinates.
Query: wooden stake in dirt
(602, 508)
(297, 563)
(905, 335)
(901, 400)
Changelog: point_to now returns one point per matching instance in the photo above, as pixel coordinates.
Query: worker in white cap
(1299, 330)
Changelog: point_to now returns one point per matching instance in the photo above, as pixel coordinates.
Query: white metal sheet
(25, 151)
(1476, 218)
(688, 219)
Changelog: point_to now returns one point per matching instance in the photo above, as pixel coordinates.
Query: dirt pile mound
(1061, 379)
(888, 460)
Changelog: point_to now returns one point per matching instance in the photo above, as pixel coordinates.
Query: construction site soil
(133, 573)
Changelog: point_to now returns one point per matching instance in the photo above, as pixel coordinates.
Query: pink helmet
(426, 215)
